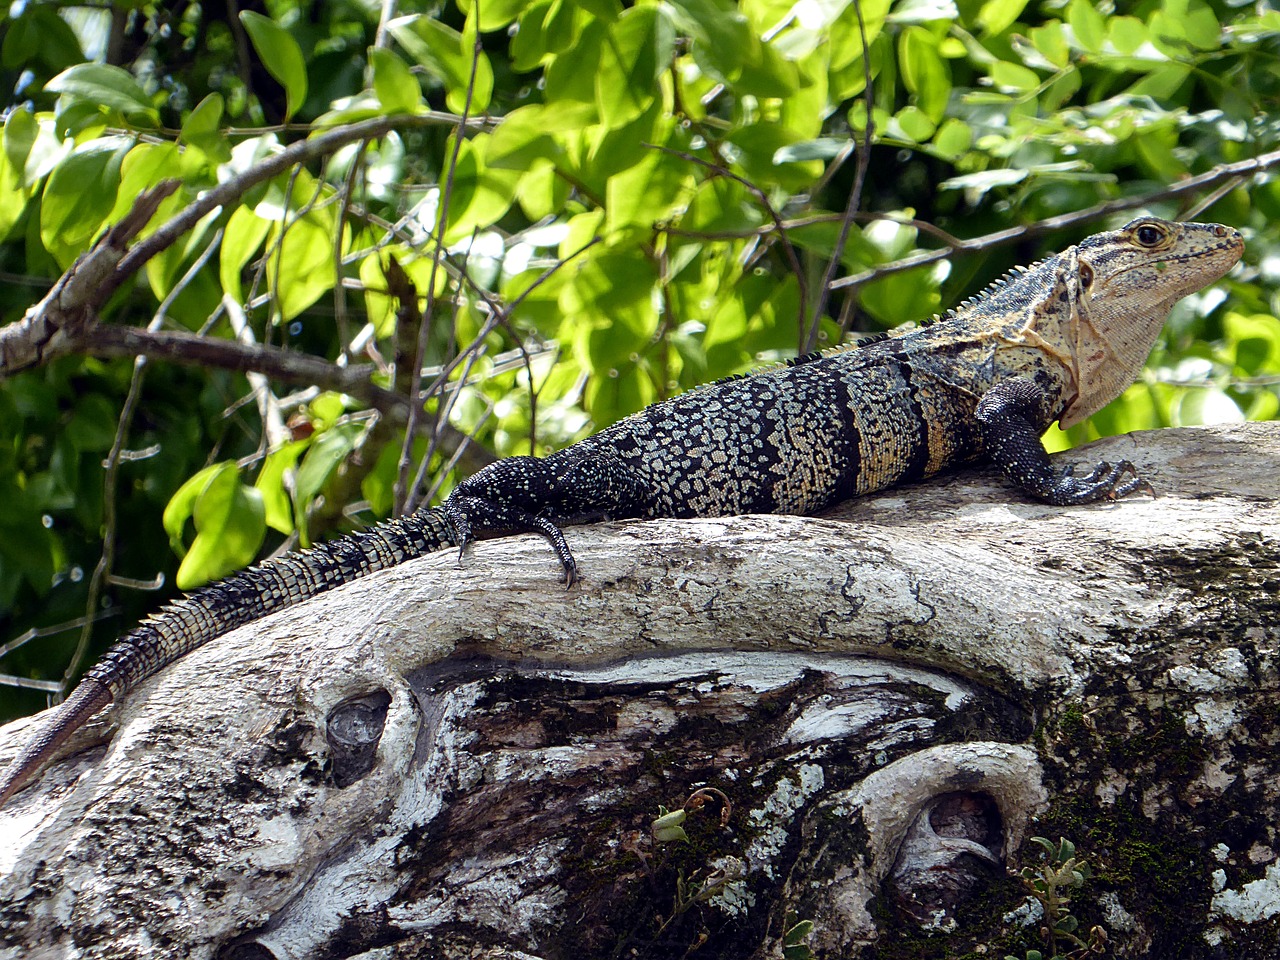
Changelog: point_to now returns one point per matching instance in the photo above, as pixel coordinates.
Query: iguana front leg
(1008, 415)
(533, 495)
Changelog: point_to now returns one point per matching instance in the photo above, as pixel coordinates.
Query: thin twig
(778, 224)
(402, 492)
(855, 195)
(339, 293)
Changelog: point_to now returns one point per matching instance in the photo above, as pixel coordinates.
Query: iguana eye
(1149, 235)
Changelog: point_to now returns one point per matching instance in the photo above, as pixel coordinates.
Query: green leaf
(902, 297)
(953, 138)
(1051, 42)
(178, 510)
(915, 124)
(241, 239)
(276, 501)
(494, 14)
(480, 195)
(1201, 27)
(924, 73)
(637, 49)
(202, 130)
(606, 10)
(79, 195)
(38, 32)
(1013, 77)
(612, 307)
(647, 192)
(1126, 34)
(531, 132)
(13, 199)
(20, 132)
(759, 144)
(1087, 24)
(822, 148)
(281, 55)
(397, 88)
(302, 262)
(798, 933)
(534, 41)
(104, 85)
(542, 192)
(980, 183)
(1252, 345)
(668, 827)
(328, 451)
(996, 16)
(1162, 82)
(143, 167)
(723, 41)
(721, 205)
(378, 485)
(228, 518)
(447, 55)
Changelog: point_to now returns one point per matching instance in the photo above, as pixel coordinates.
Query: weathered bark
(865, 716)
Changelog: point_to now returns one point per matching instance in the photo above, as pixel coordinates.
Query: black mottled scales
(1055, 341)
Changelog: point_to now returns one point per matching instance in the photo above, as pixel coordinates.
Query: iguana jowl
(1054, 341)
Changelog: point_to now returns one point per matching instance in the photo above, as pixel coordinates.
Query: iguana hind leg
(534, 495)
(1007, 421)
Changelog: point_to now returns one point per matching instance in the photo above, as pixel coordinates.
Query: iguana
(1054, 341)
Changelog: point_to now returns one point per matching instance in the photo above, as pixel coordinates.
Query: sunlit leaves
(280, 54)
(1088, 26)
(330, 449)
(636, 49)
(395, 86)
(79, 194)
(229, 522)
(301, 263)
(648, 192)
(105, 85)
(449, 56)
(202, 129)
(241, 239)
(924, 72)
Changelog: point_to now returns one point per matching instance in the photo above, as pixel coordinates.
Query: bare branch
(280, 364)
(50, 328)
(1211, 179)
(226, 193)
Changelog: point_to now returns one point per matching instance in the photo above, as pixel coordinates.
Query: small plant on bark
(1052, 884)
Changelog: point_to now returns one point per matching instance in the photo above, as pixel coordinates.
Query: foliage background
(643, 197)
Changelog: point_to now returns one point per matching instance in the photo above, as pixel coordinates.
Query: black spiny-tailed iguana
(1055, 341)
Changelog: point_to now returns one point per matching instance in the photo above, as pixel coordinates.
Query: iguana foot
(465, 513)
(1105, 481)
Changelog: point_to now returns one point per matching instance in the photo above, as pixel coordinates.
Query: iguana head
(1123, 284)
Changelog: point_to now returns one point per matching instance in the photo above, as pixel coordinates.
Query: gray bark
(864, 716)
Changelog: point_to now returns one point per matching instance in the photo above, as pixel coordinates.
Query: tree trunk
(855, 721)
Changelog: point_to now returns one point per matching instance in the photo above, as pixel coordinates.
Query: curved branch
(1212, 178)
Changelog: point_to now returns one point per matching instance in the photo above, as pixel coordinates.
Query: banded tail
(219, 608)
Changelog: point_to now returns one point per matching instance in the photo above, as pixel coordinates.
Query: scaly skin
(1054, 341)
